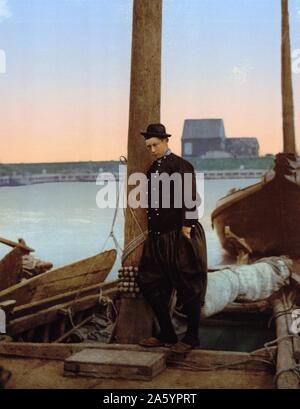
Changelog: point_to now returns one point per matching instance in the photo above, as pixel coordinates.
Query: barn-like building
(206, 138)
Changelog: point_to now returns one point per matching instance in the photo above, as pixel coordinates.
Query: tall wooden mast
(289, 144)
(135, 317)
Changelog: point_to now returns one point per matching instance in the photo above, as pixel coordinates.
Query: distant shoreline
(35, 173)
(33, 179)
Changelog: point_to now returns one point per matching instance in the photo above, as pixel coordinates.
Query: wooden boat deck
(41, 374)
(36, 373)
(40, 365)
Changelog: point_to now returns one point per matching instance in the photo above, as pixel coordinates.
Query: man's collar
(167, 153)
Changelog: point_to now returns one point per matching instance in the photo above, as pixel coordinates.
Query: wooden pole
(135, 317)
(21, 244)
(289, 144)
(286, 378)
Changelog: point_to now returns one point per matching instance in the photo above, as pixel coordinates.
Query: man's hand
(186, 231)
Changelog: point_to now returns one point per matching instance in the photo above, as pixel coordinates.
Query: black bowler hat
(155, 130)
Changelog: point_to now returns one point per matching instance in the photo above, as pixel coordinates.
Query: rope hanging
(111, 234)
(134, 243)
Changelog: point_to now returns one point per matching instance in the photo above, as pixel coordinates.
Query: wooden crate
(115, 364)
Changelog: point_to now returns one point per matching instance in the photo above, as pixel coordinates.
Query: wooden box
(115, 364)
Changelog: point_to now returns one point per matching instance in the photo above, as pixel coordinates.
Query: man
(174, 254)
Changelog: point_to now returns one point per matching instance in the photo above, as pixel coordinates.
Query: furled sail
(253, 282)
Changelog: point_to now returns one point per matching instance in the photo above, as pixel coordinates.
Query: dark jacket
(162, 219)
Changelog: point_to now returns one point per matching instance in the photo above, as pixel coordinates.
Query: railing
(233, 174)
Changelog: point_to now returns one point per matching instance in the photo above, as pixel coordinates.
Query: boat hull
(73, 277)
(266, 215)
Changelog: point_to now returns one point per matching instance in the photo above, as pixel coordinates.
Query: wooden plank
(286, 378)
(83, 273)
(202, 358)
(26, 309)
(11, 269)
(115, 364)
(51, 314)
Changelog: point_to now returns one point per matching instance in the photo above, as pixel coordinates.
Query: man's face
(157, 147)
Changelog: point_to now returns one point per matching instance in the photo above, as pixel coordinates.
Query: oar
(15, 244)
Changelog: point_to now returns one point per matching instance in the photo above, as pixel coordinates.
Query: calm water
(62, 222)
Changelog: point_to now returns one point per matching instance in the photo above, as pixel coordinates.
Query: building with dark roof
(207, 138)
(242, 147)
(202, 135)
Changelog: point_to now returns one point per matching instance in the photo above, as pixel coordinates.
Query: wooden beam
(285, 377)
(51, 314)
(205, 359)
(31, 308)
(20, 244)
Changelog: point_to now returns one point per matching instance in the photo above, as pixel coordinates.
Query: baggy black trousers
(171, 260)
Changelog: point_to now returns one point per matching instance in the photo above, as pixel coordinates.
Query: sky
(65, 71)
